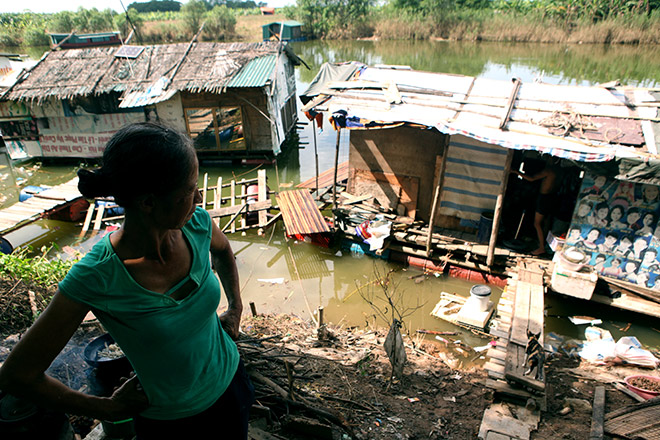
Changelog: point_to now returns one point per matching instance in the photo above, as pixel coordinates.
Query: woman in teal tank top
(151, 284)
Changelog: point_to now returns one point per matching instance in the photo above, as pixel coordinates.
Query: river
(331, 277)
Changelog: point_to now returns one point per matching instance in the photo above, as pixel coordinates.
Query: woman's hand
(231, 321)
(127, 400)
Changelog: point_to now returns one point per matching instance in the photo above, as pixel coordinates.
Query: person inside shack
(547, 201)
(151, 284)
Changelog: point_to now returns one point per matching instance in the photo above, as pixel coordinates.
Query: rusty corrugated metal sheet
(256, 73)
(300, 213)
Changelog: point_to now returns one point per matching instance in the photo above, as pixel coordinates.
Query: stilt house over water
(440, 149)
(235, 100)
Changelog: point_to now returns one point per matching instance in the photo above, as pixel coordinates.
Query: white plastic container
(479, 297)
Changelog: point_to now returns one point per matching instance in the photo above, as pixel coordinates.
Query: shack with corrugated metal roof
(235, 100)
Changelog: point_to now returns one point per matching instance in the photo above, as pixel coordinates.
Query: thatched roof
(206, 67)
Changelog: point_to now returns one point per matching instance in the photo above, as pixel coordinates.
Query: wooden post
(321, 317)
(217, 200)
(334, 186)
(253, 307)
(436, 199)
(316, 156)
(233, 203)
(262, 195)
(497, 216)
(205, 189)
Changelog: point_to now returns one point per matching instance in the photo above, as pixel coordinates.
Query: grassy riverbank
(545, 21)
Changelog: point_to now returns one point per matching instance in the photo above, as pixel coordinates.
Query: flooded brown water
(313, 277)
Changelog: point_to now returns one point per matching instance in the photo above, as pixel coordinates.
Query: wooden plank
(496, 422)
(521, 314)
(326, 178)
(99, 217)
(88, 219)
(535, 322)
(243, 199)
(262, 195)
(300, 213)
(496, 353)
(497, 370)
(205, 189)
(217, 198)
(504, 388)
(598, 418)
(231, 210)
(233, 203)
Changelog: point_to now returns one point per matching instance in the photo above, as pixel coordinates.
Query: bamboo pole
(497, 216)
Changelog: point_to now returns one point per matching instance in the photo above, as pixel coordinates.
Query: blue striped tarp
(473, 173)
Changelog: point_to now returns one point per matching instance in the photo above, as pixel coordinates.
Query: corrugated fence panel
(473, 174)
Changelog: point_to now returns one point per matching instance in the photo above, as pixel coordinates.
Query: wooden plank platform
(520, 308)
(38, 206)
(327, 178)
(449, 308)
(300, 213)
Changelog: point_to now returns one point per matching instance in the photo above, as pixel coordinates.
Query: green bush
(220, 23)
(35, 36)
(9, 39)
(37, 270)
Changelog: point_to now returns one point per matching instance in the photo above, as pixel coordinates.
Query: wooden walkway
(38, 206)
(520, 309)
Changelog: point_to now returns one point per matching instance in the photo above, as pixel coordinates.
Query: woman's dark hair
(141, 158)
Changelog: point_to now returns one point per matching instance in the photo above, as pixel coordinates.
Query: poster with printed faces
(615, 223)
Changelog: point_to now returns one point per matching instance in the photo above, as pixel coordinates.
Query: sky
(72, 5)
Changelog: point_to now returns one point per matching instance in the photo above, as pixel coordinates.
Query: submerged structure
(437, 155)
(235, 100)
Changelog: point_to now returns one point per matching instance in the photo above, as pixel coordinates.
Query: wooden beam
(497, 215)
(598, 419)
(436, 199)
(511, 102)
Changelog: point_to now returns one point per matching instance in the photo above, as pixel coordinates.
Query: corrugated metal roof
(587, 124)
(256, 73)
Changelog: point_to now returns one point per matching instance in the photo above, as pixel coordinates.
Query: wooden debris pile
(283, 369)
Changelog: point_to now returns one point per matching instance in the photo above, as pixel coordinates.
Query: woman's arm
(23, 373)
(224, 264)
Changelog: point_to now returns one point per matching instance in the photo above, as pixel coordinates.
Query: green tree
(61, 22)
(220, 22)
(193, 14)
(123, 23)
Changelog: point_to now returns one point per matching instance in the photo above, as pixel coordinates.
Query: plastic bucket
(480, 295)
(485, 226)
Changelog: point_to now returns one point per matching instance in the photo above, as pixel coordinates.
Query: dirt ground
(338, 383)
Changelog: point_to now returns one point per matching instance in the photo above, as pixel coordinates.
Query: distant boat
(75, 41)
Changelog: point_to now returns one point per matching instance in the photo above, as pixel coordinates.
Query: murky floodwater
(333, 278)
